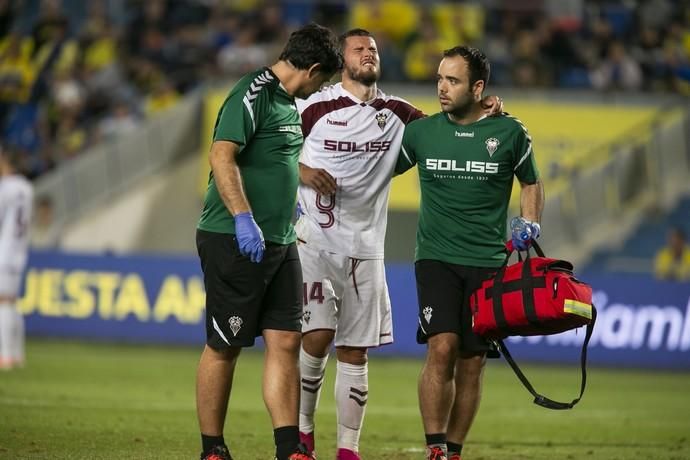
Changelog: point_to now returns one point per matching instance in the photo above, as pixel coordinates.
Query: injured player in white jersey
(353, 133)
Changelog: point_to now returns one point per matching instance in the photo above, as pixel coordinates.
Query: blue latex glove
(523, 232)
(249, 237)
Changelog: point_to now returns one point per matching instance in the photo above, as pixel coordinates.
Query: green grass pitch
(101, 401)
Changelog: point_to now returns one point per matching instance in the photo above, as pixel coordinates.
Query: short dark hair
(477, 62)
(352, 33)
(313, 44)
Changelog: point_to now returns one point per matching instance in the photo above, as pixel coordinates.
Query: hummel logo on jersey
(433, 164)
(427, 312)
(235, 324)
(464, 134)
(336, 122)
(381, 119)
(491, 145)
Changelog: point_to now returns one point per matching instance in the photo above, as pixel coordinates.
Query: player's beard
(363, 75)
(462, 106)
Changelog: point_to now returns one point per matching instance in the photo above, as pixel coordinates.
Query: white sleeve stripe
(253, 92)
(407, 157)
(524, 157)
(217, 328)
(251, 111)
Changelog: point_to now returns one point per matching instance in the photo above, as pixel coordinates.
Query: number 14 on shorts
(315, 292)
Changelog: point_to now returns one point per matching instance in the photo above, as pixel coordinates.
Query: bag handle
(510, 248)
(540, 399)
(526, 287)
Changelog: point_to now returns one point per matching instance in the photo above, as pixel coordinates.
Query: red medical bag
(534, 296)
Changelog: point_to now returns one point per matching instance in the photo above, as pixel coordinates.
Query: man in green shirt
(246, 241)
(466, 163)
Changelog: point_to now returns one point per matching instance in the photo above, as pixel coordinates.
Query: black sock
(286, 439)
(209, 442)
(436, 440)
(454, 448)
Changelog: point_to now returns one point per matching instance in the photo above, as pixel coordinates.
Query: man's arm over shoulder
(407, 157)
(492, 105)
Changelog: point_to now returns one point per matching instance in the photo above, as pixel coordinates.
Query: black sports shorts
(242, 297)
(443, 292)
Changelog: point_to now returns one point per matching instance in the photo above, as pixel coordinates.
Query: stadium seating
(637, 252)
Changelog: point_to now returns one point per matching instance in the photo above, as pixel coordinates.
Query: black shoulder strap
(542, 400)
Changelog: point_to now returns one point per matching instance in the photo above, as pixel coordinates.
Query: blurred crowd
(641, 45)
(75, 72)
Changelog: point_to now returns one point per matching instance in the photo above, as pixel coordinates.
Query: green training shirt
(466, 178)
(260, 117)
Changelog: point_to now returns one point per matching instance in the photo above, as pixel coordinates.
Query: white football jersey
(16, 204)
(357, 142)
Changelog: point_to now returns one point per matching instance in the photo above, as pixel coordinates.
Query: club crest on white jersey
(381, 118)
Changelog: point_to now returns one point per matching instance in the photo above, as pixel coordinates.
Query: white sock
(6, 327)
(351, 394)
(18, 337)
(312, 371)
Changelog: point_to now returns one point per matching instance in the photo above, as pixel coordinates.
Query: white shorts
(9, 283)
(349, 296)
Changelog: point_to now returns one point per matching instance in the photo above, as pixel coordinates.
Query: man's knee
(471, 365)
(282, 341)
(442, 351)
(318, 343)
(352, 355)
(443, 346)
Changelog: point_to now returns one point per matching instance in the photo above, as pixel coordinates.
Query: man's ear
(478, 89)
(313, 70)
